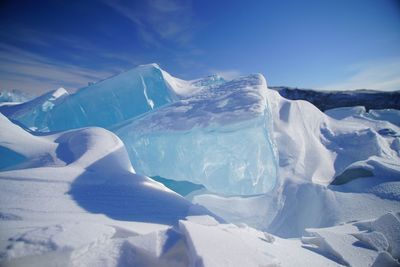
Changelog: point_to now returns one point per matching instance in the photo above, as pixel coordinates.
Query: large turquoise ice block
(220, 137)
(102, 104)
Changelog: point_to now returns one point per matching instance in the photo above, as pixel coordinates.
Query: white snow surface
(72, 198)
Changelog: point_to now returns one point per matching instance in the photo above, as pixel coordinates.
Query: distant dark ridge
(370, 99)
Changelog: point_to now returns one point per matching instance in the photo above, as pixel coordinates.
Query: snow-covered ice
(285, 184)
(367, 243)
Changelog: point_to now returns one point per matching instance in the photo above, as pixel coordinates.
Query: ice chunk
(375, 240)
(220, 137)
(107, 102)
(33, 114)
(389, 226)
(341, 247)
(366, 243)
(385, 259)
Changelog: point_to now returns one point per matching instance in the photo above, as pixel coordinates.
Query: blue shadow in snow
(126, 197)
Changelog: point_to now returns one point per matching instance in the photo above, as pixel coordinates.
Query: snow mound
(78, 196)
(304, 134)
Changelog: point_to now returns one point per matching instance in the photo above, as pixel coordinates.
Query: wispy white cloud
(228, 74)
(34, 73)
(158, 21)
(74, 47)
(380, 75)
(163, 24)
(168, 26)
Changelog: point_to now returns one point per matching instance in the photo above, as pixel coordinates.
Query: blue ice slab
(220, 138)
(103, 104)
(107, 102)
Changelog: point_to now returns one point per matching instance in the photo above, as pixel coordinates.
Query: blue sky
(341, 44)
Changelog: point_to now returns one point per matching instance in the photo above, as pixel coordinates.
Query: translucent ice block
(219, 138)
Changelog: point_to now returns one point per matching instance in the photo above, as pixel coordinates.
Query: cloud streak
(380, 75)
(34, 73)
(37, 61)
(159, 20)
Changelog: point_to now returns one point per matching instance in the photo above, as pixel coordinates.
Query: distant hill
(370, 99)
